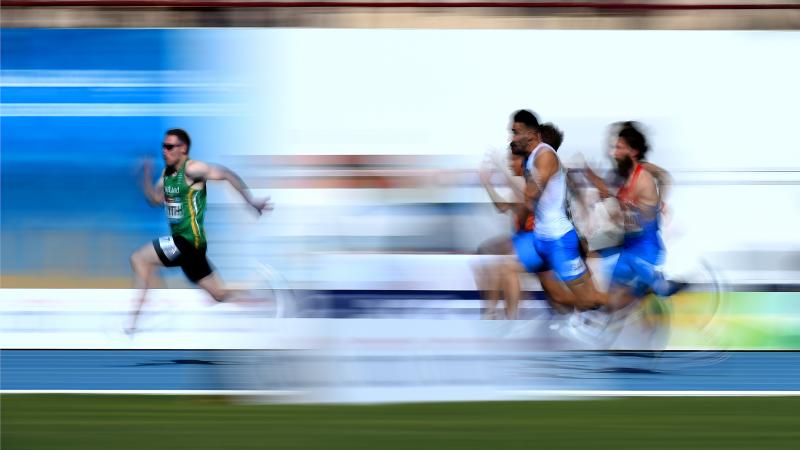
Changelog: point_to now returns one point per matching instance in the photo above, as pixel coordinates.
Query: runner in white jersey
(550, 209)
(500, 279)
(546, 195)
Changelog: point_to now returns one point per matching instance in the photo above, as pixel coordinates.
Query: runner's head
(630, 147)
(525, 131)
(551, 135)
(175, 146)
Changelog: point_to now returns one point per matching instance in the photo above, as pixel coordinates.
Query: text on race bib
(174, 210)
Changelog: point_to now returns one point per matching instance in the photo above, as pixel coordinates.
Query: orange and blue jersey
(642, 249)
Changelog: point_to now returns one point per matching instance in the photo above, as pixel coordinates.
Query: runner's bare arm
(597, 182)
(502, 204)
(645, 190)
(200, 170)
(544, 167)
(663, 178)
(153, 192)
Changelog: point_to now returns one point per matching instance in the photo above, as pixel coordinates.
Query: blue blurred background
(80, 111)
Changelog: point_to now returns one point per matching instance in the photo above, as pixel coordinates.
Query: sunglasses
(170, 146)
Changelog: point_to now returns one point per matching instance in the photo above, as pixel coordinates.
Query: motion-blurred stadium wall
(618, 14)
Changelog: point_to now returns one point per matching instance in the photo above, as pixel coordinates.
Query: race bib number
(632, 223)
(174, 211)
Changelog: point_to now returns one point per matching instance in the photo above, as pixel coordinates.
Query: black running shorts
(174, 251)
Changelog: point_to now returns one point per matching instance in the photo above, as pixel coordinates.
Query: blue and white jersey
(550, 213)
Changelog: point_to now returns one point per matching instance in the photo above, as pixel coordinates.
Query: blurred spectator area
(351, 171)
(559, 14)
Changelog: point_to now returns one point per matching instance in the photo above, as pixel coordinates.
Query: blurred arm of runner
(645, 190)
(502, 204)
(517, 185)
(663, 181)
(153, 192)
(598, 182)
(200, 170)
(544, 167)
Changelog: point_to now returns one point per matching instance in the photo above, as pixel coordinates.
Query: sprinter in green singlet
(182, 190)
